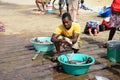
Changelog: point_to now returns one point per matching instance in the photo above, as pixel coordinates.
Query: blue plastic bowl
(105, 12)
(42, 47)
(75, 69)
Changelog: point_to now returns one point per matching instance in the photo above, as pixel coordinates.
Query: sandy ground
(19, 19)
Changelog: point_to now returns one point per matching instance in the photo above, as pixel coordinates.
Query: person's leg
(60, 7)
(67, 4)
(78, 8)
(111, 33)
(53, 3)
(43, 4)
(90, 31)
(95, 32)
(73, 8)
(76, 47)
(57, 46)
(73, 14)
(37, 3)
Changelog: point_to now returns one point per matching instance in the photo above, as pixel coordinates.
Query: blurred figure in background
(92, 28)
(61, 5)
(43, 3)
(114, 22)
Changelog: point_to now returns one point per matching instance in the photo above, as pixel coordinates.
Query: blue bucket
(75, 69)
(105, 12)
(42, 47)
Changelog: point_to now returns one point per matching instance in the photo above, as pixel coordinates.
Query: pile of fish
(42, 42)
(87, 61)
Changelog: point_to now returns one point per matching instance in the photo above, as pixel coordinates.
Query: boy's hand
(64, 41)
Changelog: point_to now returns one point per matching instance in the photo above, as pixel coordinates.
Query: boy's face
(67, 23)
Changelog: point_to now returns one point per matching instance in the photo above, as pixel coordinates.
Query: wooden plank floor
(16, 53)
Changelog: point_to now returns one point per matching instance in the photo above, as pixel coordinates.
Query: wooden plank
(16, 61)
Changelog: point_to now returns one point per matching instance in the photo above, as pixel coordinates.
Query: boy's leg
(76, 47)
(57, 46)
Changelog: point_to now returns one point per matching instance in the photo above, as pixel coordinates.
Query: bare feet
(60, 15)
(95, 34)
(91, 34)
(103, 45)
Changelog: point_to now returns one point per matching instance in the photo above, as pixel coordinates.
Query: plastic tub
(105, 12)
(49, 8)
(40, 47)
(75, 69)
(113, 50)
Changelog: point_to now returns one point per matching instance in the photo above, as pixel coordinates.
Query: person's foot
(103, 45)
(39, 10)
(60, 15)
(55, 58)
(42, 12)
(95, 34)
(91, 34)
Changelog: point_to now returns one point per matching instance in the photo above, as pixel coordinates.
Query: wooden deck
(16, 53)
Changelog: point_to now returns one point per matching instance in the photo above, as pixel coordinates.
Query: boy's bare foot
(91, 34)
(95, 34)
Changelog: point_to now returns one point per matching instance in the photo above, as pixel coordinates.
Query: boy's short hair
(66, 15)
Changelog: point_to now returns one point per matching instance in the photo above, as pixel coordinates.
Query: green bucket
(75, 69)
(113, 50)
(40, 47)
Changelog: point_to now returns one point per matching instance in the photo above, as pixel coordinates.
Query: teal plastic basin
(42, 47)
(75, 69)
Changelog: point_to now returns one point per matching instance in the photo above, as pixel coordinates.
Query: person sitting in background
(114, 22)
(83, 6)
(92, 28)
(68, 33)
